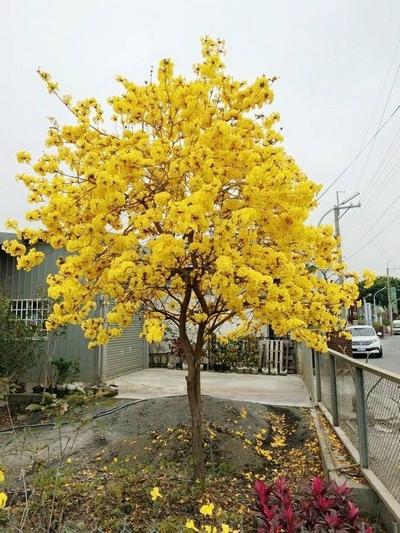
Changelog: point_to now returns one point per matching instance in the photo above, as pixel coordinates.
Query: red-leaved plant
(324, 508)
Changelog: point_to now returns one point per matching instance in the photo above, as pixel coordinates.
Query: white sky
(337, 61)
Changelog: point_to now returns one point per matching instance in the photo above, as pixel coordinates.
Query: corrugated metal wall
(127, 353)
(123, 355)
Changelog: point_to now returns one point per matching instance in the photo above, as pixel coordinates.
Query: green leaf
(58, 422)
(35, 407)
(49, 396)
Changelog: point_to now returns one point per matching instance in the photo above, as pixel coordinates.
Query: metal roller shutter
(127, 353)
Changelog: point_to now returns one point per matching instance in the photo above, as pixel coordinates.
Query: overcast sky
(337, 60)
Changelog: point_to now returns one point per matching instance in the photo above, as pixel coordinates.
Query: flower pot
(61, 389)
(37, 389)
(20, 386)
(114, 388)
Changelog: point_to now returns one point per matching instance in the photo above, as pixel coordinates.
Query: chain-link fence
(365, 403)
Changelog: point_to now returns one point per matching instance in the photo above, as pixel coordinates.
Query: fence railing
(364, 403)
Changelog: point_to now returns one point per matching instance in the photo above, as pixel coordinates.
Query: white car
(365, 341)
(396, 327)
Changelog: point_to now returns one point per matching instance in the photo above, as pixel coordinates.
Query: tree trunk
(194, 396)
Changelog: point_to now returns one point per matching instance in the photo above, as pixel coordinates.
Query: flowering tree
(189, 209)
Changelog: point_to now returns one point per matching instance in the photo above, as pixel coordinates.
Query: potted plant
(64, 369)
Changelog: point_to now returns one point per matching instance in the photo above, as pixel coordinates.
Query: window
(32, 311)
(363, 332)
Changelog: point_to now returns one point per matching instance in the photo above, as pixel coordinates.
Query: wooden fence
(277, 356)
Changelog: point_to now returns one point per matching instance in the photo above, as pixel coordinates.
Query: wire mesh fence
(365, 403)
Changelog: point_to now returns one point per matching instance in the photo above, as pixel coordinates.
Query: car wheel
(379, 355)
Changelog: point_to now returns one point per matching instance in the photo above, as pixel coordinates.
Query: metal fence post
(317, 361)
(334, 395)
(362, 418)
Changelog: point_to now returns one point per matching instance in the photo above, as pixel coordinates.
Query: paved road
(391, 355)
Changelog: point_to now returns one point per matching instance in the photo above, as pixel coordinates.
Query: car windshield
(363, 332)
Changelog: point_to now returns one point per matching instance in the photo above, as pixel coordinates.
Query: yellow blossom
(190, 525)
(207, 509)
(155, 493)
(23, 157)
(3, 500)
(1, 476)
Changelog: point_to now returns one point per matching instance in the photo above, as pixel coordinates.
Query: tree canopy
(379, 290)
(188, 207)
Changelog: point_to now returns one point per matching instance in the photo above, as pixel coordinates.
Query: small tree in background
(189, 208)
(21, 342)
(379, 288)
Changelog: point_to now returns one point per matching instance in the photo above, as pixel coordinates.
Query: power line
(380, 122)
(372, 196)
(359, 153)
(378, 100)
(377, 235)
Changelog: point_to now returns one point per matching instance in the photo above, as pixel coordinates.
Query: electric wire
(380, 233)
(380, 122)
(352, 221)
(378, 100)
(359, 153)
(370, 196)
(374, 187)
(372, 238)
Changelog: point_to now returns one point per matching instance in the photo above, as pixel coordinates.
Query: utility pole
(336, 210)
(390, 310)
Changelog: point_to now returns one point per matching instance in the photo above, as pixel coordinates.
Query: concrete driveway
(288, 390)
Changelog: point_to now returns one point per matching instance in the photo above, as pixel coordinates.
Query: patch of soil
(137, 445)
(238, 434)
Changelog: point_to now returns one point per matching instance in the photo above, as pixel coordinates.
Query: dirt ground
(242, 440)
(229, 425)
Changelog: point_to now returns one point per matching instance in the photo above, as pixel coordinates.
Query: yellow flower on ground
(1, 476)
(155, 493)
(207, 509)
(3, 500)
(190, 525)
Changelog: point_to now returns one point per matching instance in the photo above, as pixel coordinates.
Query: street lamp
(375, 313)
